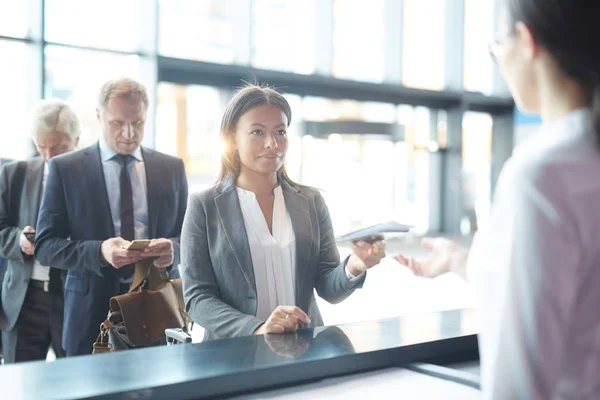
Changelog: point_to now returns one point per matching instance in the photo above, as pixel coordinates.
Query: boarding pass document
(379, 229)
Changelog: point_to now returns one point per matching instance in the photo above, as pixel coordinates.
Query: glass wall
(14, 95)
(476, 155)
(76, 75)
(183, 131)
(106, 24)
(198, 30)
(479, 32)
(358, 51)
(283, 35)
(271, 34)
(14, 18)
(424, 44)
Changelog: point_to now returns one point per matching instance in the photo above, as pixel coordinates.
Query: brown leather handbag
(139, 317)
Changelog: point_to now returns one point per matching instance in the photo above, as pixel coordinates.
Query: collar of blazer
(229, 184)
(297, 206)
(94, 175)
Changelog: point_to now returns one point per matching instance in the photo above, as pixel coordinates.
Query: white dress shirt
(273, 256)
(536, 269)
(41, 272)
(137, 174)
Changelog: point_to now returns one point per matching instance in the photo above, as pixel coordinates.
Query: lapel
(232, 221)
(153, 175)
(33, 189)
(94, 178)
(298, 208)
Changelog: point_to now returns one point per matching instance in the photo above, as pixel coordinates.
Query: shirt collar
(571, 127)
(568, 125)
(107, 153)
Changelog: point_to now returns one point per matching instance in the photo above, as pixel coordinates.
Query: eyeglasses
(495, 47)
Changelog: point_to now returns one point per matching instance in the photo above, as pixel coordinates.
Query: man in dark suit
(100, 198)
(31, 316)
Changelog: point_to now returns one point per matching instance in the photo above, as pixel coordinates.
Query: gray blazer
(216, 265)
(19, 265)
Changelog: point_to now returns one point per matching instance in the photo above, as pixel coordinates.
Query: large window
(321, 109)
(283, 34)
(358, 40)
(414, 206)
(76, 76)
(479, 29)
(393, 174)
(477, 158)
(200, 29)
(183, 131)
(13, 18)
(14, 135)
(107, 24)
(424, 44)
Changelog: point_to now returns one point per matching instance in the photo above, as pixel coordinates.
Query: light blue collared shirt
(137, 174)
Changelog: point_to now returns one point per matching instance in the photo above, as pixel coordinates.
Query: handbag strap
(146, 272)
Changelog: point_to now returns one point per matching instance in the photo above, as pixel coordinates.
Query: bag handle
(101, 344)
(146, 272)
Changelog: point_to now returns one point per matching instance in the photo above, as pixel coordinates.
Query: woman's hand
(283, 319)
(366, 254)
(446, 256)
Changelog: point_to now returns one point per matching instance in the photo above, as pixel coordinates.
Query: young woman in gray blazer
(256, 245)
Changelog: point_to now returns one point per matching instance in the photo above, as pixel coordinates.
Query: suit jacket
(75, 219)
(216, 264)
(13, 218)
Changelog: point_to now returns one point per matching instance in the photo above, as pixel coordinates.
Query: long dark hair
(569, 30)
(245, 99)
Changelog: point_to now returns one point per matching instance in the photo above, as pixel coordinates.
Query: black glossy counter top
(225, 367)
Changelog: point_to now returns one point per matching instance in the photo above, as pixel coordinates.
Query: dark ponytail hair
(570, 31)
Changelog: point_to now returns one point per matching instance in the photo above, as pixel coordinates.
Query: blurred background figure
(536, 267)
(31, 317)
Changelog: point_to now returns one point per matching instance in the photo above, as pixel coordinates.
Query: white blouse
(536, 269)
(273, 256)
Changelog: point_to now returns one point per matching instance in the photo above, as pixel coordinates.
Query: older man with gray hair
(31, 312)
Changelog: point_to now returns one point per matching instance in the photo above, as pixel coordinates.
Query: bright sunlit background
(366, 178)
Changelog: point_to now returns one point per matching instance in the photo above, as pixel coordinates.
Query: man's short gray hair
(124, 88)
(55, 116)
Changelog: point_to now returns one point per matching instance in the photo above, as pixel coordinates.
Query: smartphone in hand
(138, 245)
(30, 236)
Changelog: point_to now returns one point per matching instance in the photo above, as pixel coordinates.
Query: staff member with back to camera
(536, 267)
